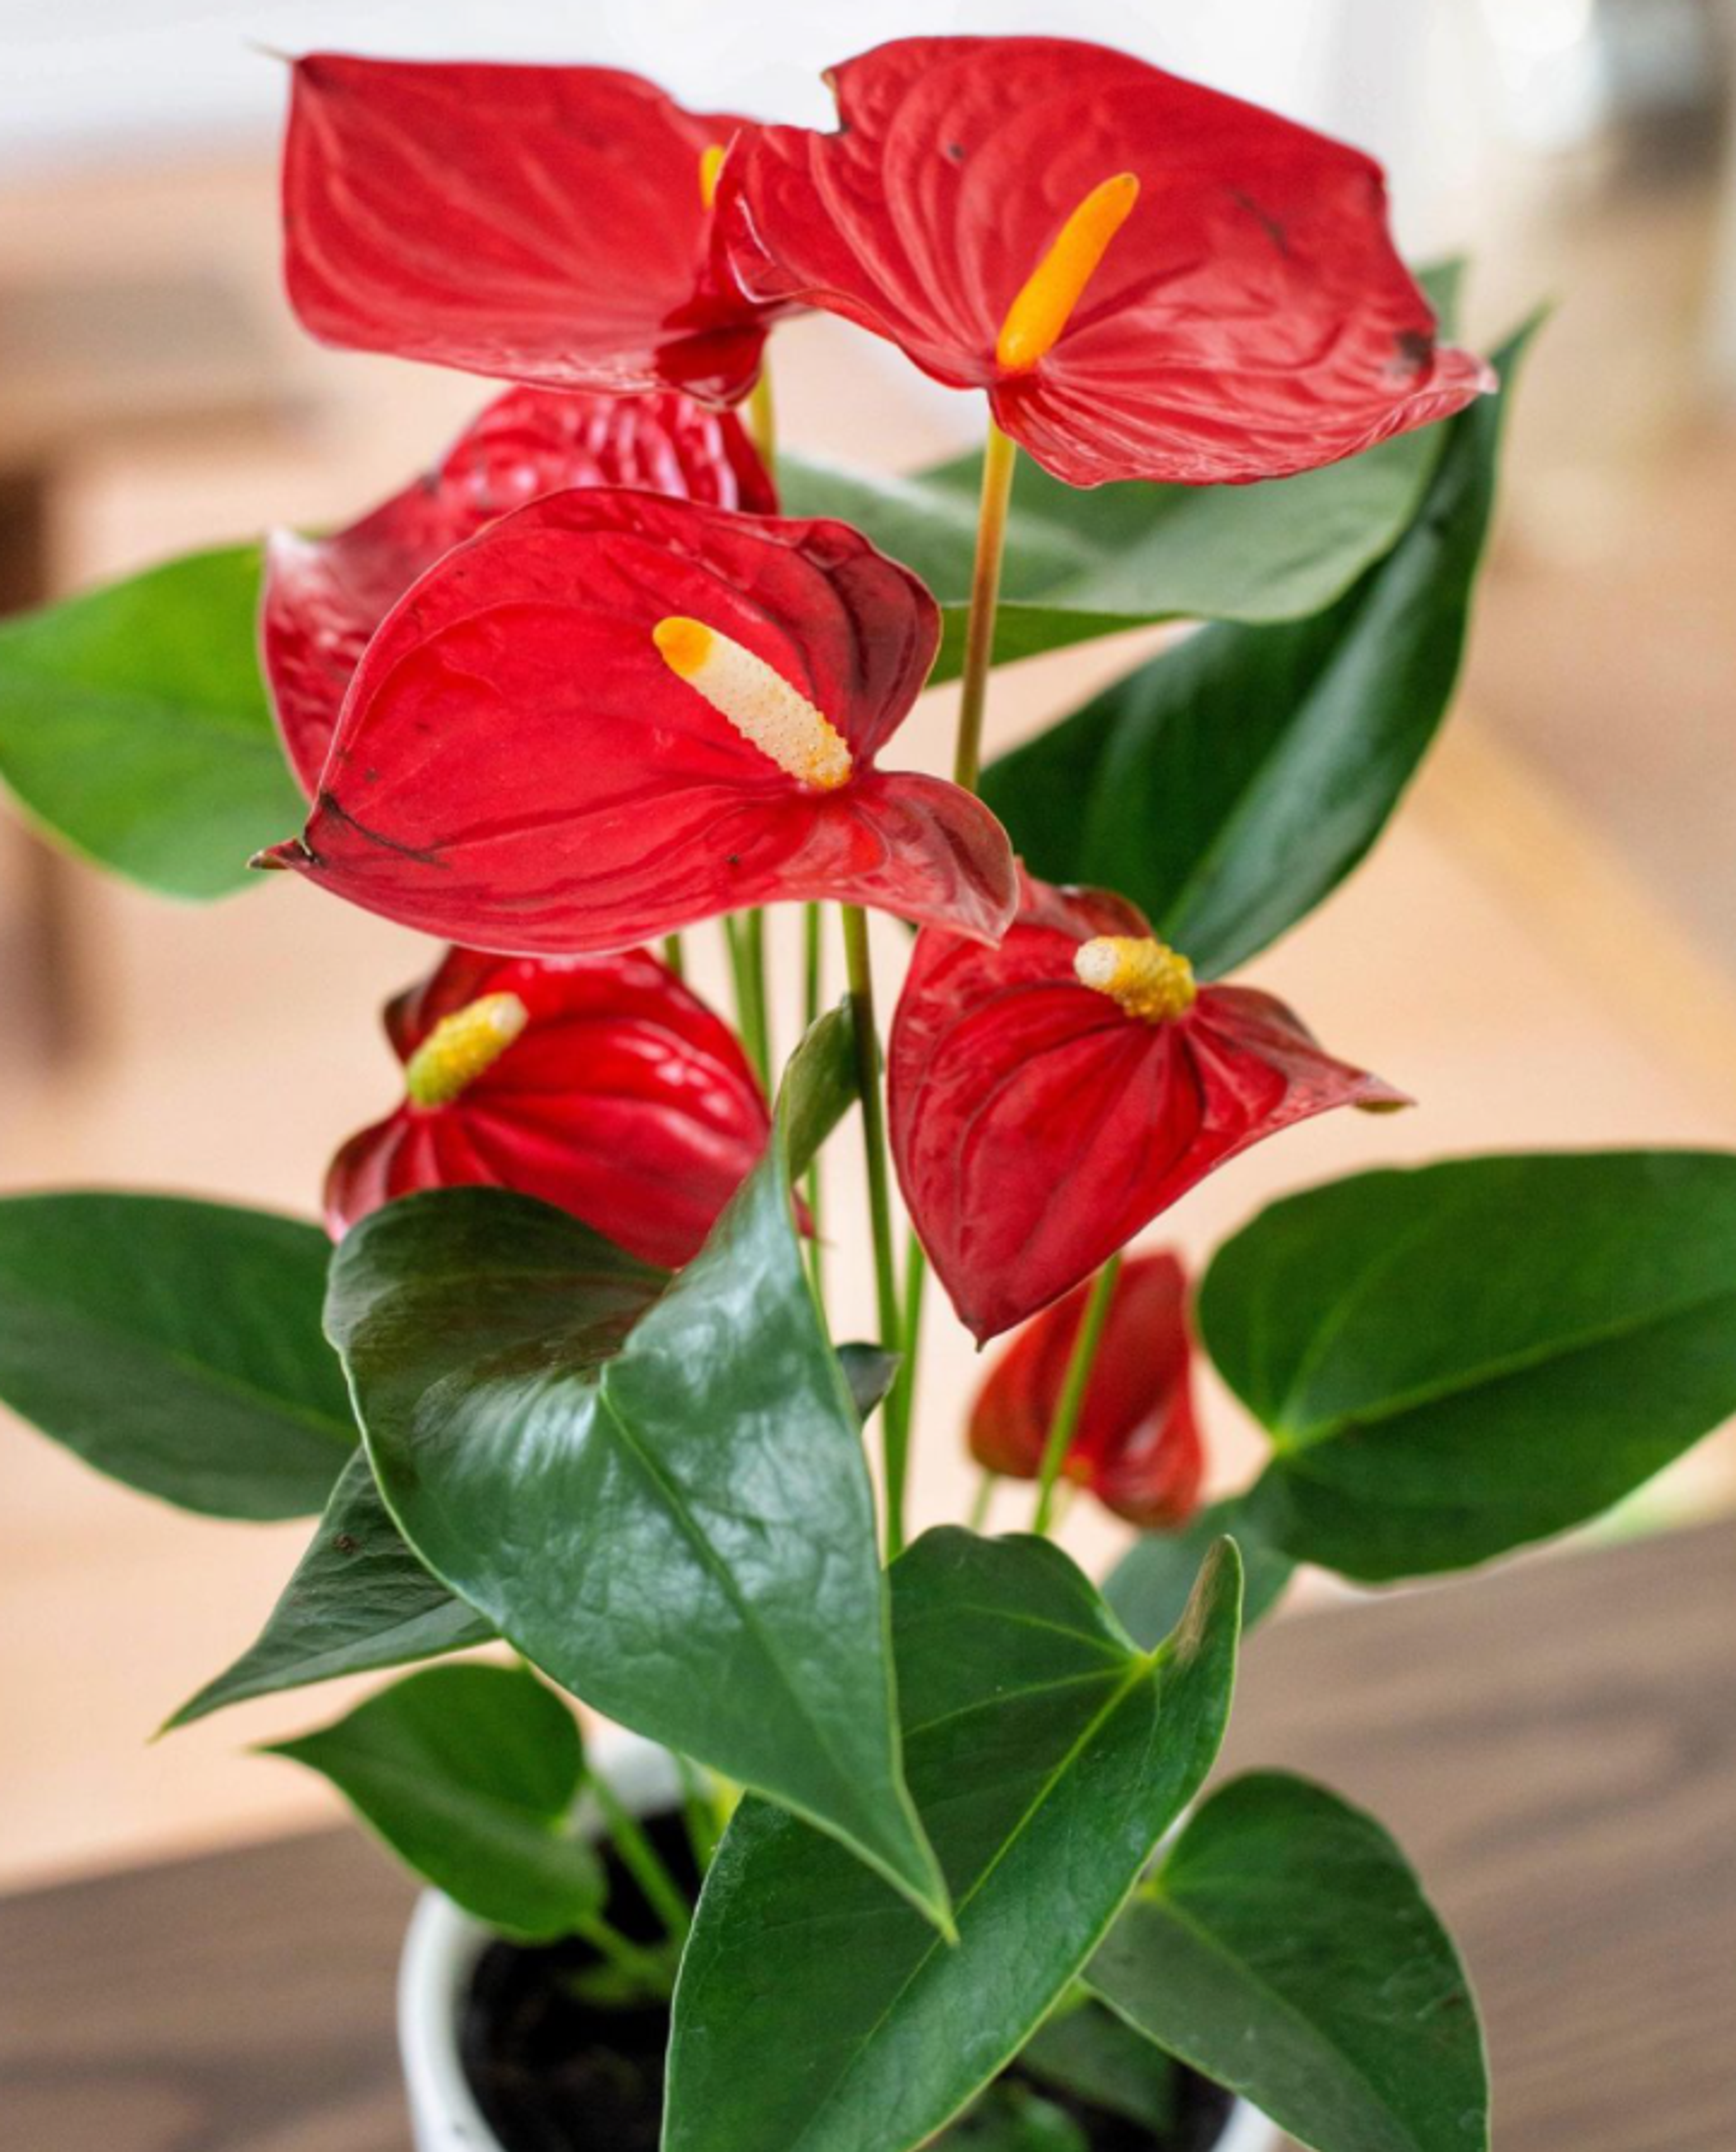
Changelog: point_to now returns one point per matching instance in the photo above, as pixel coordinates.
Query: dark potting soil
(553, 2072)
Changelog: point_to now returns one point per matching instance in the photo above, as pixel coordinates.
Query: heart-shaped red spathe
(324, 597)
(1137, 1445)
(1037, 1127)
(1251, 317)
(544, 224)
(623, 1099)
(518, 769)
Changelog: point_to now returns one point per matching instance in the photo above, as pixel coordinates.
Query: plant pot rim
(443, 1943)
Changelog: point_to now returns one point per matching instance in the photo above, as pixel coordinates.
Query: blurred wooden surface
(1554, 1745)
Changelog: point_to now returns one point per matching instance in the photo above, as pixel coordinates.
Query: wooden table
(1556, 1745)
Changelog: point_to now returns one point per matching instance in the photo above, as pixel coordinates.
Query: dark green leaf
(1148, 1587)
(869, 1374)
(1013, 2117)
(658, 1495)
(358, 1602)
(1086, 2050)
(1285, 1949)
(816, 2013)
(1082, 565)
(175, 1345)
(1457, 1359)
(1231, 783)
(134, 724)
(470, 1774)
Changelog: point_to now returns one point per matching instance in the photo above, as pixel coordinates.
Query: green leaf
(1231, 782)
(869, 1374)
(815, 2011)
(359, 1601)
(470, 1773)
(1086, 2050)
(1082, 565)
(175, 1345)
(1013, 2117)
(133, 725)
(1148, 1588)
(1285, 1949)
(656, 1491)
(1455, 1360)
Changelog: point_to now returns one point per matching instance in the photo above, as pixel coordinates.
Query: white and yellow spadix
(762, 705)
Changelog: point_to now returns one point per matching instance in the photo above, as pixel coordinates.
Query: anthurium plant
(557, 1371)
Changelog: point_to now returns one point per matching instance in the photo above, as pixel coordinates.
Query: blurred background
(1543, 951)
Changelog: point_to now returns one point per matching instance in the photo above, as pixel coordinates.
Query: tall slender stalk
(1000, 457)
(861, 977)
(812, 989)
(900, 1406)
(1074, 1385)
(642, 1860)
(762, 419)
(674, 955)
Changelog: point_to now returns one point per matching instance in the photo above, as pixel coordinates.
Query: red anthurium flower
(1151, 280)
(1137, 1443)
(612, 715)
(546, 224)
(324, 597)
(1049, 1097)
(598, 1084)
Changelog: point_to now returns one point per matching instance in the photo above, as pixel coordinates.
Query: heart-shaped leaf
(656, 1491)
(470, 1775)
(1148, 1588)
(175, 1345)
(1457, 1359)
(134, 724)
(359, 1601)
(1285, 1948)
(1231, 782)
(815, 2011)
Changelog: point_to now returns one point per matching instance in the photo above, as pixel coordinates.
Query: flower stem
(985, 1495)
(754, 937)
(746, 959)
(673, 956)
(763, 420)
(1000, 458)
(650, 1971)
(900, 1408)
(1072, 1401)
(813, 987)
(879, 1180)
(642, 1861)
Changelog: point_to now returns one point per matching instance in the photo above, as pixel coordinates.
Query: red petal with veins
(624, 1100)
(516, 768)
(1251, 318)
(541, 224)
(324, 597)
(1137, 1445)
(1037, 1127)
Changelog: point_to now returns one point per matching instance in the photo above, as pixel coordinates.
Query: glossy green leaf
(359, 1601)
(133, 725)
(815, 2011)
(1148, 1588)
(1010, 2117)
(175, 1345)
(656, 1491)
(1085, 2049)
(869, 1374)
(1232, 782)
(1457, 1359)
(1285, 1949)
(1082, 565)
(470, 1774)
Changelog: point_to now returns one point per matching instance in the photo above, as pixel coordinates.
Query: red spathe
(1250, 319)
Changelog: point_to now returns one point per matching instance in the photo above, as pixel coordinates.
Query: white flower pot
(440, 1955)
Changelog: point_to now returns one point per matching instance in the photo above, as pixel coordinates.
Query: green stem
(901, 1399)
(985, 1495)
(698, 1812)
(673, 955)
(762, 419)
(651, 1969)
(812, 988)
(879, 1180)
(1071, 1402)
(754, 935)
(643, 1862)
(1000, 458)
(746, 981)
